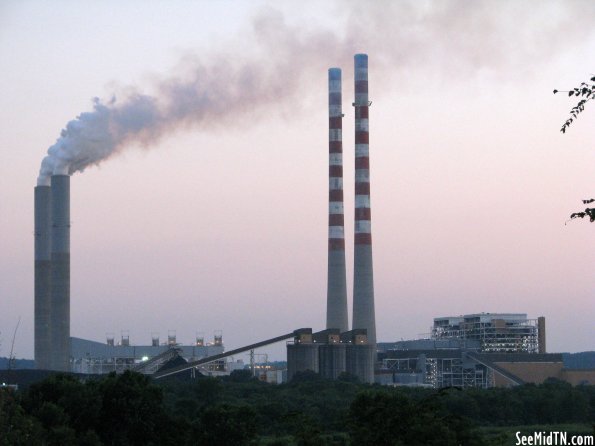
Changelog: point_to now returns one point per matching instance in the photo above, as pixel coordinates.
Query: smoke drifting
(209, 95)
(450, 39)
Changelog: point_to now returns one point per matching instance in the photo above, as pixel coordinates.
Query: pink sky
(222, 225)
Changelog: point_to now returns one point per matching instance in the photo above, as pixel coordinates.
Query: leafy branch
(585, 92)
(589, 212)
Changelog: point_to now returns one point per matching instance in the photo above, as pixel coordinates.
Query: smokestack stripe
(336, 232)
(336, 312)
(363, 278)
(363, 229)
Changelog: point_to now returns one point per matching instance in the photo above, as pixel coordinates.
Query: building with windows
(474, 350)
(92, 357)
(495, 332)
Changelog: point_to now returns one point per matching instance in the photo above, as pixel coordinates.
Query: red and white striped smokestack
(363, 278)
(336, 296)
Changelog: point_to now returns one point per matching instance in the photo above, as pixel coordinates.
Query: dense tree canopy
(130, 409)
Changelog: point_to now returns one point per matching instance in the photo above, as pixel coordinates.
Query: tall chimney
(363, 278)
(43, 272)
(60, 257)
(541, 334)
(336, 294)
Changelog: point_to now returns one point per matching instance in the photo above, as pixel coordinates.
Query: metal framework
(444, 372)
(497, 333)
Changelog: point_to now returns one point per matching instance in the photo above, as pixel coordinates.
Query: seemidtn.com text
(554, 439)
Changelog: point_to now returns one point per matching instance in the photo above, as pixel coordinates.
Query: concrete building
(331, 353)
(476, 350)
(441, 363)
(302, 354)
(360, 357)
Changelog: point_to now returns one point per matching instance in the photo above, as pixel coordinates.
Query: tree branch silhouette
(585, 92)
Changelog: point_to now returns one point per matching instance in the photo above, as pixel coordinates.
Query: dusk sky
(212, 215)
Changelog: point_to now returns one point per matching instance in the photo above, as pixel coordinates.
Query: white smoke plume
(453, 38)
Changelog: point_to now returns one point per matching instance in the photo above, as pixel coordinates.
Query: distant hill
(18, 364)
(582, 360)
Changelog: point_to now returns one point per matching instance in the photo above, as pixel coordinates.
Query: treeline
(130, 409)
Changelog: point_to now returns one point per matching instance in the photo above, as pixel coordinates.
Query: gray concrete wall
(336, 310)
(301, 357)
(331, 360)
(360, 361)
(42, 286)
(363, 292)
(60, 289)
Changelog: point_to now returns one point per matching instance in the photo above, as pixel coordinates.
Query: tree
(64, 405)
(394, 419)
(588, 212)
(16, 426)
(226, 424)
(585, 92)
(131, 411)
(241, 376)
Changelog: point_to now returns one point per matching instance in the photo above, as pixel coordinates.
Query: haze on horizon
(219, 223)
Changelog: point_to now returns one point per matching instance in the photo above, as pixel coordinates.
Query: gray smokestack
(43, 274)
(363, 278)
(60, 257)
(336, 296)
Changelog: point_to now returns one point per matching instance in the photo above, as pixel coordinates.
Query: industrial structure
(444, 364)
(331, 353)
(91, 357)
(52, 274)
(495, 332)
(43, 274)
(473, 350)
(336, 303)
(363, 278)
(336, 350)
(60, 282)
(193, 365)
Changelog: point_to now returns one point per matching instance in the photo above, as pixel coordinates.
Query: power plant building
(495, 332)
(330, 353)
(92, 357)
(475, 350)
(360, 357)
